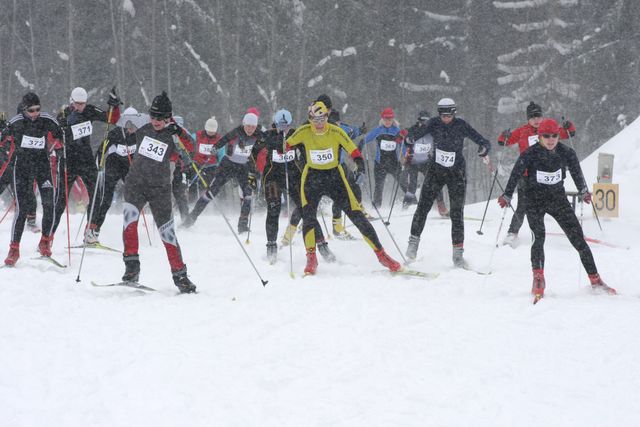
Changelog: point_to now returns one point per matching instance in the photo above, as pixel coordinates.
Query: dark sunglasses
(549, 135)
(159, 117)
(33, 109)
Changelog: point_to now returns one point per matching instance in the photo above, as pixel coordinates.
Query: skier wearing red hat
(546, 162)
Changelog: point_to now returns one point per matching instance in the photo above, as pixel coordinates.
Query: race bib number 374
(153, 149)
(445, 158)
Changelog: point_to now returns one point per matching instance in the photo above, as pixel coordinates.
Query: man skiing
(526, 136)
(546, 162)
(446, 167)
(149, 181)
(37, 136)
(323, 175)
(205, 154)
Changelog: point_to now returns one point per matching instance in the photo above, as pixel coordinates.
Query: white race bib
(242, 152)
(153, 149)
(282, 157)
(386, 145)
(549, 178)
(421, 148)
(322, 157)
(81, 130)
(445, 158)
(32, 142)
(533, 139)
(125, 150)
(206, 149)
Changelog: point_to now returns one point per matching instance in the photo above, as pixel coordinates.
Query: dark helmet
(533, 110)
(161, 106)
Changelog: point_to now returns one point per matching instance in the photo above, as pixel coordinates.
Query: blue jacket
(383, 137)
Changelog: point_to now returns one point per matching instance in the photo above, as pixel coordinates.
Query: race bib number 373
(81, 130)
(549, 178)
(153, 149)
(321, 157)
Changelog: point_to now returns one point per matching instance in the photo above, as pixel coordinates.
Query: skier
(416, 156)
(149, 181)
(205, 155)
(546, 163)
(526, 136)
(120, 149)
(179, 182)
(243, 144)
(446, 167)
(37, 136)
(388, 139)
(76, 120)
(278, 164)
(323, 175)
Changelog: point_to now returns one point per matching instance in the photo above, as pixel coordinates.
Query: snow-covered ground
(344, 348)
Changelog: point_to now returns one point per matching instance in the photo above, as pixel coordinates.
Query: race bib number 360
(153, 149)
(549, 178)
(282, 157)
(32, 142)
(322, 157)
(81, 130)
(445, 158)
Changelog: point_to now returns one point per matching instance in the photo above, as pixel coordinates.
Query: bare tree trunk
(153, 47)
(12, 52)
(222, 56)
(72, 62)
(32, 51)
(116, 52)
(167, 47)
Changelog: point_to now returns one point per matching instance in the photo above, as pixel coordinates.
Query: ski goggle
(549, 135)
(158, 116)
(33, 109)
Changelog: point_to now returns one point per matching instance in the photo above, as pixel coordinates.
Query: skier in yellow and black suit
(323, 175)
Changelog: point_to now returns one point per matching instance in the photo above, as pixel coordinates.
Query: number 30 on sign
(606, 199)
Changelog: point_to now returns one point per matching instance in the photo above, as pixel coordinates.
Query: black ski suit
(419, 150)
(546, 172)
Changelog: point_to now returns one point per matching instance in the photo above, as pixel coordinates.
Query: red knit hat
(548, 126)
(253, 110)
(387, 113)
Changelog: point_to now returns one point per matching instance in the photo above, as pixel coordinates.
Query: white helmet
(446, 106)
(79, 95)
(211, 125)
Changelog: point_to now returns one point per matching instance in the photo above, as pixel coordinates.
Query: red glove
(401, 135)
(586, 197)
(504, 201)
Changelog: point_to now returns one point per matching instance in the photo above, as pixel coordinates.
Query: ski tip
(292, 275)
(536, 299)
(264, 282)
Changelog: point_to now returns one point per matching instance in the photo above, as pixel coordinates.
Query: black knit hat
(423, 116)
(325, 100)
(533, 110)
(29, 100)
(161, 106)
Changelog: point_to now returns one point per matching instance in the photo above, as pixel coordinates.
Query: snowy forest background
(577, 58)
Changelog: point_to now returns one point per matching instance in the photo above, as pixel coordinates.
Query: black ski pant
(560, 209)
(226, 171)
(179, 191)
(409, 179)
(380, 171)
(24, 173)
(6, 181)
(195, 183)
(357, 191)
(115, 169)
(437, 176)
(521, 209)
(332, 183)
(80, 164)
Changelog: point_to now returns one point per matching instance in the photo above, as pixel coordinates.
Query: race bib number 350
(153, 149)
(81, 130)
(445, 158)
(322, 157)
(32, 142)
(549, 178)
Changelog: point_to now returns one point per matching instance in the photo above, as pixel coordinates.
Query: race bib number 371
(549, 178)
(321, 157)
(153, 149)
(32, 142)
(81, 130)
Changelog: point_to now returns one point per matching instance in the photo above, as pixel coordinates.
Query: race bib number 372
(81, 130)
(549, 178)
(32, 142)
(322, 157)
(153, 149)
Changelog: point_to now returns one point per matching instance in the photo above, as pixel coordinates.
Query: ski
(134, 285)
(480, 272)
(95, 246)
(409, 273)
(537, 298)
(51, 260)
(596, 241)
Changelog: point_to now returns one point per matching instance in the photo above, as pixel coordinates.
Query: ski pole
(249, 222)
(495, 178)
(13, 203)
(221, 212)
(286, 181)
(595, 212)
(395, 194)
(326, 230)
(493, 250)
(66, 191)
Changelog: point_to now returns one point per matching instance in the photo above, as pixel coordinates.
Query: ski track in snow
(343, 348)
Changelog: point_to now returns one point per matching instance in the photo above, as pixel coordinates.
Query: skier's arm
(475, 136)
(229, 136)
(576, 171)
(516, 173)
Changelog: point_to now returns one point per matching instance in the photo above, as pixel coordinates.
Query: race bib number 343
(549, 178)
(322, 157)
(153, 149)
(81, 130)
(445, 158)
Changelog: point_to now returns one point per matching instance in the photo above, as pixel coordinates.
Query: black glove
(566, 124)
(253, 180)
(483, 150)
(363, 129)
(358, 173)
(504, 137)
(174, 129)
(62, 120)
(113, 100)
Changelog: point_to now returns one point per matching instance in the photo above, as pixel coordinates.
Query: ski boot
(409, 199)
(13, 255)
(458, 260)
(511, 239)
(312, 263)
(387, 261)
(327, 255)
(288, 235)
(132, 268)
(272, 252)
(243, 225)
(442, 209)
(92, 235)
(412, 249)
(181, 280)
(44, 247)
(31, 224)
(537, 288)
(339, 231)
(597, 284)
